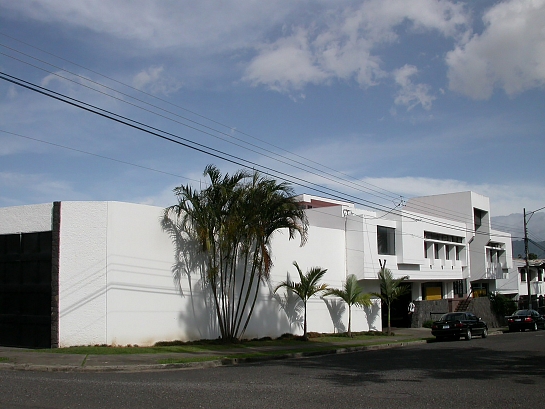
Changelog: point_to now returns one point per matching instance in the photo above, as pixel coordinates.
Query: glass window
(523, 276)
(386, 240)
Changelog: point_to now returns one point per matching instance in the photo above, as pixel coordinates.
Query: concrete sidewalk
(27, 359)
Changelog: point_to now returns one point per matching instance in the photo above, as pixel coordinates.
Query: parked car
(525, 319)
(459, 324)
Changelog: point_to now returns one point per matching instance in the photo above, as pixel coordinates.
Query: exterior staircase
(463, 305)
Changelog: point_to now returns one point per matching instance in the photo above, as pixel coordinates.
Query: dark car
(525, 319)
(459, 324)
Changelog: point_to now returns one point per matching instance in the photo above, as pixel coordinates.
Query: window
(386, 240)
(458, 250)
(522, 276)
(540, 275)
(436, 250)
(478, 216)
(459, 288)
(447, 252)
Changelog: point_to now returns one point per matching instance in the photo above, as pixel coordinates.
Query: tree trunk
(389, 330)
(305, 324)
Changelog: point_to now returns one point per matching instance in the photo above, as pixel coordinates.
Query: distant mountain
(518, 248)
(514, 224)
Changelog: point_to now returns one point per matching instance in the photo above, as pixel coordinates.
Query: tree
(232, 222)
(308, 286)
(351, 294)
(390, 289)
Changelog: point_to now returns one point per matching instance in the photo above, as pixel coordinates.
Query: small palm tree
(390, 289)
(307, 287)
(351, 294)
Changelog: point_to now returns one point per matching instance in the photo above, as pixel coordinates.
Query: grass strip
(202, 351)
(3, 359)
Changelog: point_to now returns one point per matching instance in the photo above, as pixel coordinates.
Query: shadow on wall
(200, 320)
(373, 313)
(336, 308)
(292, 306)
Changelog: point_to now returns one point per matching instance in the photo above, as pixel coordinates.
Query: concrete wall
(83, 273)
(26, 219)
(123, 282)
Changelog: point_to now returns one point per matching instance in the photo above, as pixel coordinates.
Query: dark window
(478, 216)
(386, 240)
(523, 276)
(458, 287)
(447, 252)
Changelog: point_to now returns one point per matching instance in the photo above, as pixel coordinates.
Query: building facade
(107, 272)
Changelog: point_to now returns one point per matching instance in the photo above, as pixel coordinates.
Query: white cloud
(343, 46)
(411, 94)
(163, 24)
(37, 186)
(286, 64)
(509, 54)
(154, 81)
(320, 41)
(504, 198)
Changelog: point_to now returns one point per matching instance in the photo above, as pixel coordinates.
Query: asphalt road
(505, 371)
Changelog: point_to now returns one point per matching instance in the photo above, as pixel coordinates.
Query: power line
(418, 207)
(184, 141)
(213, 152)
(359, 183)
(98, 156)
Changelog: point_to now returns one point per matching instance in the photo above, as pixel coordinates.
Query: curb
(220, 361)
(206, 364)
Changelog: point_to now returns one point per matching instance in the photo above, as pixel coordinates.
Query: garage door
(25, 290)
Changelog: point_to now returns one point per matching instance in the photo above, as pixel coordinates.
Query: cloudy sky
(372, 100)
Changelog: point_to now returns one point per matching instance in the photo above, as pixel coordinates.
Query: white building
(74, 273)
(524, 277)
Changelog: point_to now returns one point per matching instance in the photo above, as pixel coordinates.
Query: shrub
(502, 305)
(427, 324)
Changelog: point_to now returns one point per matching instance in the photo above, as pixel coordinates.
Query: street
(505, 371)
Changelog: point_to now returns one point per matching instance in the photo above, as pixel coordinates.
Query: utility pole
(528, 275)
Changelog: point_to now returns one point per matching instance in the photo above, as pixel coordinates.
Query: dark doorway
(399, 313)
(25, 290)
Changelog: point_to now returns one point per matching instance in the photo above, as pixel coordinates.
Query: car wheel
(485, 333)
(534, 328)
(467, 335)
(439, 339)
(511, 329)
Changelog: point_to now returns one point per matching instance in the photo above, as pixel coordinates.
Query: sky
(374, 101)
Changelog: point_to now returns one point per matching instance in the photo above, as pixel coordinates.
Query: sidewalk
(27, 359)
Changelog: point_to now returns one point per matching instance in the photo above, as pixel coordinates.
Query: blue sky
(406, 98)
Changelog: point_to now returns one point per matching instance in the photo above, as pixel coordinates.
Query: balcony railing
(494, 271)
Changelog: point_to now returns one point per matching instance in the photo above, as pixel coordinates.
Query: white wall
(26, 219)
(325, 248)
(118, 282)
(83, 273)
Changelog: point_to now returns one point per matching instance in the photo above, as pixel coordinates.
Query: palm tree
(232, 222)
(351, 294)
(390, 289)
(307, 287)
